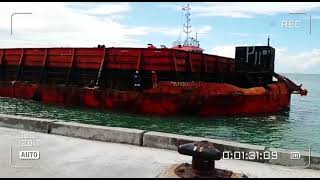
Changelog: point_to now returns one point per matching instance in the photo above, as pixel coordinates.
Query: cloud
(248, 9)
(61, 24)
(226, 51)
(285, 61)
(176, 31)
(75, 24)
(304, 62)
(101, 8)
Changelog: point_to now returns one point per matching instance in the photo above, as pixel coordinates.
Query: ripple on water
(294, 129)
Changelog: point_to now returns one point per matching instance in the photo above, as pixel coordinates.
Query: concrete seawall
(172, 141)
(152, 139)
(307, 160)
(86, 131)
(25, 123)
(101, 133)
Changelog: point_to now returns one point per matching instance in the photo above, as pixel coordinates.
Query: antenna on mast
(190, 43)
(187, 23)
(268, 40)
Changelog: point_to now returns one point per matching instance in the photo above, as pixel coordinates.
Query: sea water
(295, 129)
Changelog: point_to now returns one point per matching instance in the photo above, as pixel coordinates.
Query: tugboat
(181, 80)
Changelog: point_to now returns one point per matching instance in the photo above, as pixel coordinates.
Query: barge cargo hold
(188, 81)
(102, 78)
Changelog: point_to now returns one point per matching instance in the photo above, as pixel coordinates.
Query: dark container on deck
(256, 60)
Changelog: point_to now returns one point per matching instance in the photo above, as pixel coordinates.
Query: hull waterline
(168, 99)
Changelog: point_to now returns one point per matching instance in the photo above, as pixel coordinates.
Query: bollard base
(185, 171)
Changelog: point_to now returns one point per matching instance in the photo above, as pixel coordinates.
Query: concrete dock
(62, 156)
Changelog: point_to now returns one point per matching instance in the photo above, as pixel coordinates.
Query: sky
(220, 27)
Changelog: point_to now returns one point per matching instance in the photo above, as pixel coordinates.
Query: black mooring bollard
(204, 154)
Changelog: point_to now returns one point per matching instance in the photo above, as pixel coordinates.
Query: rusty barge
(188, 80)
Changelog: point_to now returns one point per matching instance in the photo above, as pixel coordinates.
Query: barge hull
(169, 98)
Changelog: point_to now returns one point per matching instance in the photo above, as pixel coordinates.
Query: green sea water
(294, 129)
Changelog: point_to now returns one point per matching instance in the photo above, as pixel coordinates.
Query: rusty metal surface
(186, 171)
(292, 86)
(155, 59)
(204, 154)
(183, 171)
(165, 100)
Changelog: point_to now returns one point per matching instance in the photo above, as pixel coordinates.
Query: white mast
(190, 43)
(187, 23)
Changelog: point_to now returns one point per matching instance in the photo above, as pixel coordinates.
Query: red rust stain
(24, 91)
(205, 99)
(51, 94)
(90, 98)
(159, 107)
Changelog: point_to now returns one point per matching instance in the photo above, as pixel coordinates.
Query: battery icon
(295, 155)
